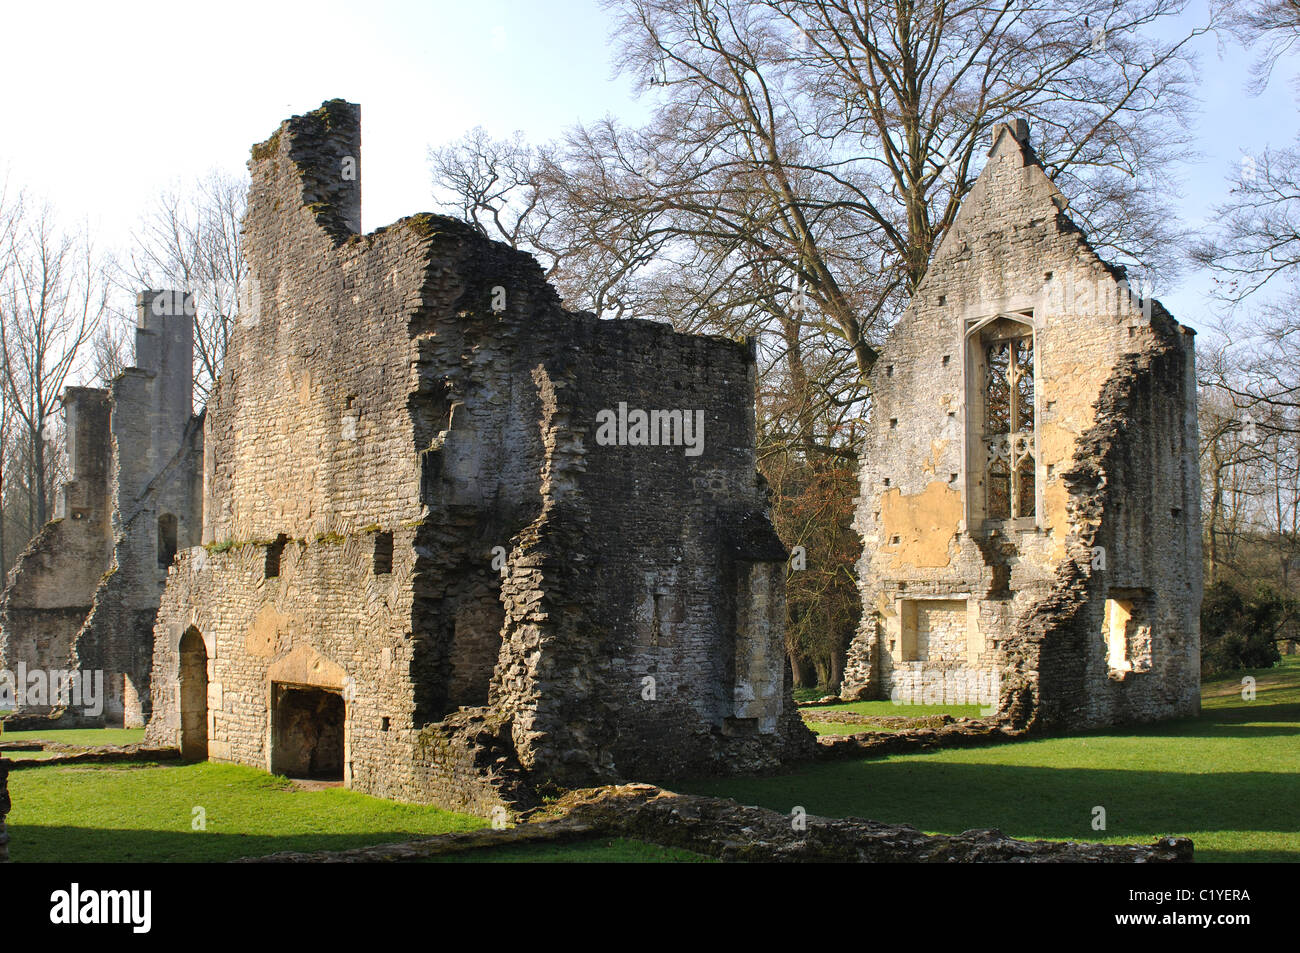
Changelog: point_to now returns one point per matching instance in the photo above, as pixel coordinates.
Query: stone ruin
(82, 596)
(1030, 496)
(460, 544)
(445, 541)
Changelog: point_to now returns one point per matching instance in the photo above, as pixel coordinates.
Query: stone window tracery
(1003, 418)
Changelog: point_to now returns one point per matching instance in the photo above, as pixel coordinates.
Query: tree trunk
(38, 464)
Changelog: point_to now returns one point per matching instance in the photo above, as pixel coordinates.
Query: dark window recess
(166, 539)
(383, 553)
(273, 553)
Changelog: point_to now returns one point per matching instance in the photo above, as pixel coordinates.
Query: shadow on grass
(941, 796)
(1237, 802)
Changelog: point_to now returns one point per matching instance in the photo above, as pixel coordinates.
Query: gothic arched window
(1002, 418)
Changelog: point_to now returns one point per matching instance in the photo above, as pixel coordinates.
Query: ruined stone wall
(84, 594)
(661, 582)
(310, 439)
(1013, 249)
(51, 585)
(411, 415)
(156, 490)
(1135, 495)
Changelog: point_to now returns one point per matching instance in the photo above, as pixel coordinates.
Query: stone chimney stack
(164, 347)
(313, 162)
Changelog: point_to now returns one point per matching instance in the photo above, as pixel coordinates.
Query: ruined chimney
(312, 162)
(164, 347)
(1005, 133)
(1018, 128)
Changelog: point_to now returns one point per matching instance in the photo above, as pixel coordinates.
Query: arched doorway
(194, 696)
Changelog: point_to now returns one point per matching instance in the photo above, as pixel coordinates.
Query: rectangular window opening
(273, 553)
(383, 554)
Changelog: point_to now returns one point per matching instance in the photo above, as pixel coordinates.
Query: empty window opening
(893, 423)
(383, 553)
(273, 553)
(934, 630)
(307, 728)
(384, 723)
(1126, 628)
(166, 539)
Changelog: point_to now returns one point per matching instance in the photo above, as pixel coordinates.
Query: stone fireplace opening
(307, 730)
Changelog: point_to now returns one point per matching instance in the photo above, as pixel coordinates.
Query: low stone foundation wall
(100, 754)
(730, 832)
(60, 719)
(962, 733)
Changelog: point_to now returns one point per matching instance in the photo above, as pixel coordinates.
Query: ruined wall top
(312, 162)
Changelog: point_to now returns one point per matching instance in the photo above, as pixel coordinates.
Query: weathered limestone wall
(156, 491)
(1135, 493)
(84, 594)
(412, 415)
(928, 549)
(51, 585)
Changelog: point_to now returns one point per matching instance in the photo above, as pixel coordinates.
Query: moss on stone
(424, 224)
(265, 150)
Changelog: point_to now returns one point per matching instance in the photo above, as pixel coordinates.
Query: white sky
(108, 104)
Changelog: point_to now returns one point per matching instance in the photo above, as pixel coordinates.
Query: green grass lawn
(889, 709)
(1228, 779)
(145, 812)
(79, 736)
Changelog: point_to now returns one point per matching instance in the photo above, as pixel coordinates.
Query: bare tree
(110, 350)
(1257, 238)
(51, 302)
(830, 142)
(191, 241)
(804, 158)
(1271, 27)
(10, 214)
(1253, 249)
